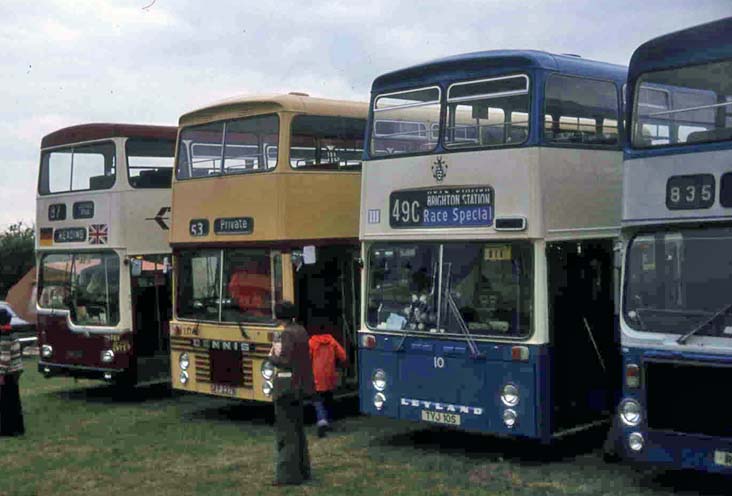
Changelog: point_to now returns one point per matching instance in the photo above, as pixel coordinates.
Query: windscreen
(77, 168)
(479, 288)
(676, 280)
(232, 285)
(683, 106)
(237, 146)
(85, 284)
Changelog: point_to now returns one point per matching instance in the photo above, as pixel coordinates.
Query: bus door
(326, 296)
(151, 306)
(584, 352)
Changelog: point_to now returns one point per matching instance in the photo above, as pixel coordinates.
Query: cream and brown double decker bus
(265, 209)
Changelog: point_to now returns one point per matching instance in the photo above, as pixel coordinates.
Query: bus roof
(477, 64)
(94, 131)
(696, 45)
(295, 102)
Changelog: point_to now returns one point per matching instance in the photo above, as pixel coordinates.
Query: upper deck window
(326, 142)
(403, 122)
(236, 146)
(77, 168)
(490, 112)
(150, 162)
(580, 111)
(684, 105)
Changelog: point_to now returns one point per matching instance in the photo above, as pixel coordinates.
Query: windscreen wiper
(474, 351)
(704, 324)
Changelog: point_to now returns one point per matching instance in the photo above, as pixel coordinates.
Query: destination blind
(462, 206)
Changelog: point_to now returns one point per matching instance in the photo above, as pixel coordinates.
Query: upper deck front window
(149, 162)
(326, 142)
(77, 168)
(683, 106)
(235, 146)
(403, 122)
(580, 111)
(489, 112)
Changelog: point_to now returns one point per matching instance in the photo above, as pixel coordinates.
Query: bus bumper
(682, 451)
(49, 370)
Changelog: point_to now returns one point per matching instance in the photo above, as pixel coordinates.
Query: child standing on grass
(325, 353)
(11, 365)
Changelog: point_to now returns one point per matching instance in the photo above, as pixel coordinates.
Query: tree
(16, 255)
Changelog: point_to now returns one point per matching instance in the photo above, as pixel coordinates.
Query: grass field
(85, 438)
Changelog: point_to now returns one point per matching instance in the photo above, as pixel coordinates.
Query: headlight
(509, 418)
(46, 351)
(630, 412)
(379, 400)
(267, 388)
(378, 379)
(183, 377)
(107, 356)
(267, 370)
(183, 361)
(510, 395)
(635, 441)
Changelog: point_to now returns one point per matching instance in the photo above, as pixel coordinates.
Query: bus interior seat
(516, 135)
(101, 182)
(153, 178)
(721, 134)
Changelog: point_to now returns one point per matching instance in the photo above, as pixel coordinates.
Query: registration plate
(723, 458)
(223, 389)
(441, 417)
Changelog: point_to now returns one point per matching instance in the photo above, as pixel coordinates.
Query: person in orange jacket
(325, 353)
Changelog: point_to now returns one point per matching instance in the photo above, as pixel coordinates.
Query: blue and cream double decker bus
(490, 206)
(677, 227)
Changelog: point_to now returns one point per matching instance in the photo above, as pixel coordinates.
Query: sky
(66, 62)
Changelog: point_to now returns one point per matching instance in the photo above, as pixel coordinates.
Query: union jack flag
(98, 234)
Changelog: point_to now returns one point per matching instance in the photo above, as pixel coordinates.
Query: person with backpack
(293, 382)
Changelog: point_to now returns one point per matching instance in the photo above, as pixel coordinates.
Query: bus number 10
(405, 211)
(438, 362)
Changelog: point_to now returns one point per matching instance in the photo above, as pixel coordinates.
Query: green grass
(84, 438)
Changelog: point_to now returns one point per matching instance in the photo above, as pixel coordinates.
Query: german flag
(46, 238)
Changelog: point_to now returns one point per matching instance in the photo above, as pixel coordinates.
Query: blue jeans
(321, 402)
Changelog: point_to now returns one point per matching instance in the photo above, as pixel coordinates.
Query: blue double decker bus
(490, 208)
(676, 317)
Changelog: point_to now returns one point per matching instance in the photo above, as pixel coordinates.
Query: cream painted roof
(246, 104)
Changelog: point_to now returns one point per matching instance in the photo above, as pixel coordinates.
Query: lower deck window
(85, 284)
(235, 285)
(480, 288)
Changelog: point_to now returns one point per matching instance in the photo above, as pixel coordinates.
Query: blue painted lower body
(668, 447)
(440, 376)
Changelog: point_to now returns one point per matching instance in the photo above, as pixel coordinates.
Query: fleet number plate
(223, 389)
(441, 417)
(723, 458)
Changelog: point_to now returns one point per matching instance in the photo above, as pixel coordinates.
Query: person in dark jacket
(11, 366)
(293, 382)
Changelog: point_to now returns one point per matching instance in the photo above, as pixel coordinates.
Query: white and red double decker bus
(102, 223)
